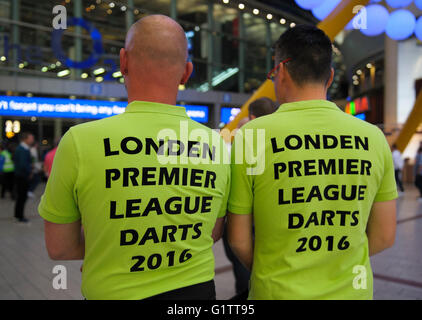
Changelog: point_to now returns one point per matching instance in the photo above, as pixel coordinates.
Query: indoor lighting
(123, 8)
(44, 69)
(98, 71)
(369, 65)
(359, 72)
(84, 75)
(255, 11)
(111, 5)
(269, 16)
(63, 73)
(226, 1)
(292, 25)
(117, 74)
(282, 21)
(99, 79)
(3, 58)
(241, 6)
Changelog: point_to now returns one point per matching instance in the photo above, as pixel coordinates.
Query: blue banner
(78, 108)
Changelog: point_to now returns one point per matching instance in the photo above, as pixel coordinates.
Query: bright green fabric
(308, 242)
(140, 239)
(8, 165)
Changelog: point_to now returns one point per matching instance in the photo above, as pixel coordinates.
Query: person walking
(23, 174)
(149, 186)
(321, 190)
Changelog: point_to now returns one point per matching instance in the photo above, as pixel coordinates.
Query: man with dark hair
(325, 200)
(23, 170)
(261, 107)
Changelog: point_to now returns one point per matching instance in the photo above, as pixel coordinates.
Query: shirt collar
(308, 104)
(153, 107)
(25, 146)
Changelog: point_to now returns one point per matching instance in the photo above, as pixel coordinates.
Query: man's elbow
(55, 254)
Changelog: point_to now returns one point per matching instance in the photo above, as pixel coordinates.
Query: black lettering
(343, 215)
(281, 197)
(327, 215)
(366, 167)
(316, 144)
(185, 228)
(195, 177)
(313, 218)
(197, 229)
(131, 173)
(107, 148)
(276, 149)
(309, 167)
(206, 204)
(362, 143)
(279, 168)
(326, 142)
(188, 210)
(295, 166)
(125, 148)
(355, 218)
(177, 208)
(185, 172)
(150, 143)
(124, 241)
(146, 176)
(333, 195)
(169, 231)
(210, 178)
(327, 167)
(295, 224)
(206, 150)
(352, 195)
(361, 192)
(314, 193)
(291, 146)
(111, 175)
(150, 234)
(170, 178)
(346, 142)
(352, 166)
(131, 207)
(297, 195)
(153, 205)
(193, 149)
(113, 210)
(171, 144)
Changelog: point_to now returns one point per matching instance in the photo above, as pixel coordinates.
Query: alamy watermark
(60, 20)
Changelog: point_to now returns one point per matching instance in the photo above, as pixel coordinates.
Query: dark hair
(24, 135)
(262, 107)
(310, 51)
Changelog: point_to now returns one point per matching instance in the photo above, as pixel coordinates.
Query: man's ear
(187, 73)
(123, 62)
(330, 80)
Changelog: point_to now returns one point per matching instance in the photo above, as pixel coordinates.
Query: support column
(58, 128)
(16, 6)
(130, 18)
(242, 51)
(173, 9)
(216, 112)
(77, 9)
(390, 84)
(269, 57)
(210, 43)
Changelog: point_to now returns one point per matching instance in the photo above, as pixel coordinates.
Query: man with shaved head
(141, 196)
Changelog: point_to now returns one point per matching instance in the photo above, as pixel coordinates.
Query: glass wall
(230, 46)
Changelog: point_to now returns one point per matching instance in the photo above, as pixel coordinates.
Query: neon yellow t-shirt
(148, 186)
(310, 176)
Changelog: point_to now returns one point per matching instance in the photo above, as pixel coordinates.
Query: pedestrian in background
(23, 174)
(8, 172)
(398, 166)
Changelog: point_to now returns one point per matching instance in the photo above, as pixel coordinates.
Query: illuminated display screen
(228, 114)
(357, 106)
(78, 108)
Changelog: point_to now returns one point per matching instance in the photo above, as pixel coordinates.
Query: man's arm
(381, 228)
(240, 237)
(64, 241)
(217, 232)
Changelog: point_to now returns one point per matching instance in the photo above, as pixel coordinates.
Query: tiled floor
(26, 272)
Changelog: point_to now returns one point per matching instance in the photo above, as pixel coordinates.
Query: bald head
(154, 60)
(158, 40)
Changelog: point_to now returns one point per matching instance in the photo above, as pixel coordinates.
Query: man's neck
(151, 93)
(306, 93)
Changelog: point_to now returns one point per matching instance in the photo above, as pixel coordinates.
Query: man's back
(147, 217)
(323, 171)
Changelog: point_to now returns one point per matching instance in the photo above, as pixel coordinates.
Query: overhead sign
(357, 106)
(228, 114)
(78, 108)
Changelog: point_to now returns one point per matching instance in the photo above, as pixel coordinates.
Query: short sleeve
(59, 202)
(388, 189)
(223, 209)
(241, 190)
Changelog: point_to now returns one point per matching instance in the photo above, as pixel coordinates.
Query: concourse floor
(26, 272)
